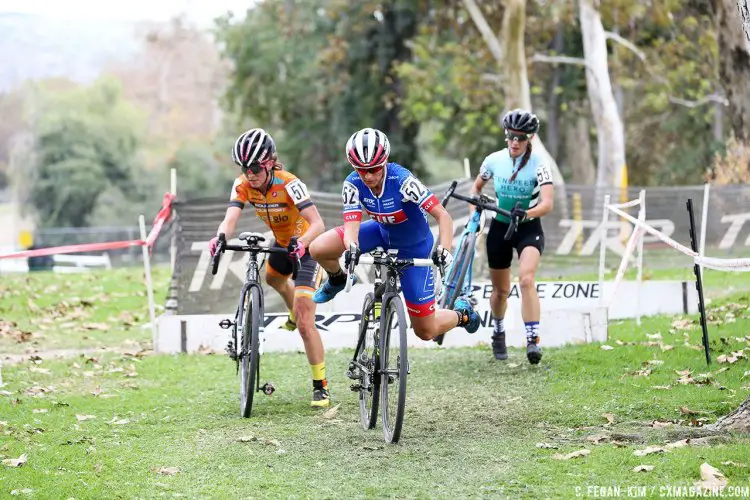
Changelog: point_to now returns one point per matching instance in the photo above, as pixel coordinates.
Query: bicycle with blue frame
(457, 281)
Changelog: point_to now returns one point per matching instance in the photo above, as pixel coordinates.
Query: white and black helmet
(367, 148)
(521, 120)
(253, 146)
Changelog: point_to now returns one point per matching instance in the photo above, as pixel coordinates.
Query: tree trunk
(737, 421)
(553, 104)
(609, 128)
(744, 8)
(734, 65)
(578, 148)
(513, 63)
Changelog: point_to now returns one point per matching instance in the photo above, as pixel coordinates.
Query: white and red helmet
(253, 146)
(367, 148)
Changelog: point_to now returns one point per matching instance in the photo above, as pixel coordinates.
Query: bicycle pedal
(226, 324)
(268, 388)
(355, 387)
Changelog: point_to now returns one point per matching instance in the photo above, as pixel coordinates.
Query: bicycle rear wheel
(368, 359)
(249, 353)
(394, 367)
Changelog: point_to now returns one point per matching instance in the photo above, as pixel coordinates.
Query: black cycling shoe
(533, 351)
(499, 349)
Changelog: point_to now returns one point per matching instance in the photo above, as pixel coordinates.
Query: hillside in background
(34, 47)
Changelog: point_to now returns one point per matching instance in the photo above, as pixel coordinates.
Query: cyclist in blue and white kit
(519, 175)
(398, 204)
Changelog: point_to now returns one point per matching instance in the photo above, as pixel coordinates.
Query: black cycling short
(500, 251)
(308, 277)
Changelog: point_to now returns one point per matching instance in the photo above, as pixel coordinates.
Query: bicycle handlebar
(484, 206)
(385, 261)
(223, 246)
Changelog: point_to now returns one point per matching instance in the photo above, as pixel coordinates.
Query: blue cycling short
(417, 283)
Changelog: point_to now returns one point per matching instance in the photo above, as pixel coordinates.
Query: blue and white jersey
(525, 187)
(401, 209)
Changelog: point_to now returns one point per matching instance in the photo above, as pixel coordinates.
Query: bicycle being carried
(380, 364)
(248, 322)
(457, 281)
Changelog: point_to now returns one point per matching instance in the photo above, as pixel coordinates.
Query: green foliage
(201, 171)
(86, 142)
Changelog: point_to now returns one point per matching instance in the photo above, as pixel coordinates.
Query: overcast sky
(199, 11)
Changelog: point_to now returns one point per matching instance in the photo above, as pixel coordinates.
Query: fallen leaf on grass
(104, 327)
(654, 362)
(119, 421)
(658, 424)
(15, 462)
(687, 411)
(372, 448)
(711, 478)
(40, 410)
(547, 446)
(610, 418)
(572, 454)
(38, 391)
(83, 418)
(6, 393)
(666, 347)
(642, 373)
(682, 324)
(677, 444)
(733, 464)
(649, 450)
(25, 491)
(643, 468)
(331, 413)
(661, 387)
(247, 439)
(44, 371)
(732, 358)
(272, 442)
(653, 336)
(598, 438)
(606, 347)
(167, 471)
(33, 307)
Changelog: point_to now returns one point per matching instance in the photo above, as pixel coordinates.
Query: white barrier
(189, 333)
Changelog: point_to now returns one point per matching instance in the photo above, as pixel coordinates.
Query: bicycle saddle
(250, 236)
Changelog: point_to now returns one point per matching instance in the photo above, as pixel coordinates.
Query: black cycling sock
(499, 327)
(337, 278)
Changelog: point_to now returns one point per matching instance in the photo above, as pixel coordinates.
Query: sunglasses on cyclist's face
(515, 136)
(253, 168)
(372, 170)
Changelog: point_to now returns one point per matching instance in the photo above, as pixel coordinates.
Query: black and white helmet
(521, 120)
(253, 146)
(367, 148)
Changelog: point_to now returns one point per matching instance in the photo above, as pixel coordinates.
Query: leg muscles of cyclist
(528, 263)
(437, 323)
(326, 250)
(500, 289)
(281, 284)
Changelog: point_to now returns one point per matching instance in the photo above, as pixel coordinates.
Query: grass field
(131, 424)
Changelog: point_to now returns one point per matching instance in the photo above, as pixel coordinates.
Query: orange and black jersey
(279, 207)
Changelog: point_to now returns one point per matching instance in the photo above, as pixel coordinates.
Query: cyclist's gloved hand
(352, 255)
(442, 257)
(212, 245)
(298, 250)
(520, 213)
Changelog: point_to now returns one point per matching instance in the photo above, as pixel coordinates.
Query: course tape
(164, 214)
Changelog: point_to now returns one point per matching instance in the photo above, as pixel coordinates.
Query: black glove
(519, 213)
(352, 255)
(442, 257)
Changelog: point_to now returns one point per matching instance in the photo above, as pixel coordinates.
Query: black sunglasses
(255, 168)
(512, 136)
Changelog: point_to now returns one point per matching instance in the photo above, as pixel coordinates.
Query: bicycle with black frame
(380, 364)
(248, 322)
(458, 278)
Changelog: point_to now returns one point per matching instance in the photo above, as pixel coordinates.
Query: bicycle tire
(392, 423)
(454, 283)
(250, 355)
(367, 353)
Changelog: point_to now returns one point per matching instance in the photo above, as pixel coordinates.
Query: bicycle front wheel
(368, 360)
(455, 282)
(394, 367)
(249, 354)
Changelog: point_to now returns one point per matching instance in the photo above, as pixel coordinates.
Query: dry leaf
(246, 439)
(661, 387)
(658, 424)
(649, 450)
(682, 324)
(572, 454)
(643, 468)
(654, 362)
(610, 418)
(83, 418)
(119, 421)
(547, 446)
(331, 412)
(687, 411)
(33, 307)
(272, 442)
(44, 371)
(677, 444)
(733, 464)
(711, 478)
(606, 347)
(653, 336)
(39, 410)
(168, 471)
(15, 462)
(666, 347)
(643, 373)
(598, 438)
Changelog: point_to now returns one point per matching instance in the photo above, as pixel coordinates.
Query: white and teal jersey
(524, 188)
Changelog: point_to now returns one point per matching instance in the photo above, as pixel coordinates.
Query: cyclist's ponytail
(524, 161)
(277, 165)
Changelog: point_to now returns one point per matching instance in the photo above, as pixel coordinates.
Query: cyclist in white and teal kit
(521, 175)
